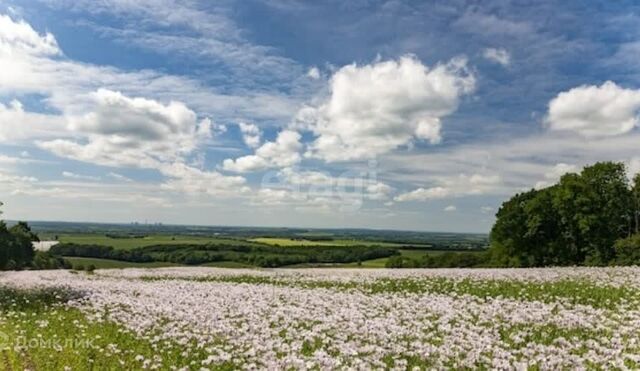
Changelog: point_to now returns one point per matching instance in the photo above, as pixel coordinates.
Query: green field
(131, 243)
(110, 264)
(285, 242)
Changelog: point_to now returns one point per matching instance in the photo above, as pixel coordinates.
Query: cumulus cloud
(283, 152)
(20, 37)
(16, 124)
(373, 109)
(595, 111)
(251, 134)
(124, 131)
(187, 179)
(500, 56)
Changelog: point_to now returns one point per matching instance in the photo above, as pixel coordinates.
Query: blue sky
(384, 114)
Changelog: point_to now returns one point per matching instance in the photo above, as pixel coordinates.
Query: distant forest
(588, 218)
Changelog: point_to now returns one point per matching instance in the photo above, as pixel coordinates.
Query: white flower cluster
(364, 319)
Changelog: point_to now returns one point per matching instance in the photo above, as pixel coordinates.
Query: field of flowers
(208, 318)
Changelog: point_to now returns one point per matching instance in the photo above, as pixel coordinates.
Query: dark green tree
(577, 221)
(22, 249)
(605, 210)
(635, 191)
(509, 240)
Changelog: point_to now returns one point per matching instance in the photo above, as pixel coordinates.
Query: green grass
(381, 262)
(285, 242)
(39, 333)
(131, 243)
(115, 264)
(227, 264)
(110, 264)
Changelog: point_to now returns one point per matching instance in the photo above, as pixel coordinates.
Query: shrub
(628, 250)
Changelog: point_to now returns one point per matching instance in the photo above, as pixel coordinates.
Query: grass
(39, 333)
(116, 264)
(131, 243)
(381, 262)
(286, 242)
(227, 264)
(111, 264)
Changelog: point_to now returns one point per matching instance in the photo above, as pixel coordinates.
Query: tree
(23, 239)
(509, 242)
(635, 191)
(576, 221)
(16, 245)
(605, 212)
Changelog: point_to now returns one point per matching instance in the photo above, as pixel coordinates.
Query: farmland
(127, 243)
(561, 318)
(330, 242)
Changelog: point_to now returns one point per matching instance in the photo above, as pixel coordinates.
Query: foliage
(258, 255)
(628, 250)
(448, 259)
(16, 248)
(575, 222)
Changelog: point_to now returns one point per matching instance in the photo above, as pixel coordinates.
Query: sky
(411, 115)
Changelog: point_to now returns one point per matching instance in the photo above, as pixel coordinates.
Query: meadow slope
(211, 318)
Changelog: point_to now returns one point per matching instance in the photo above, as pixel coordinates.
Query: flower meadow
(322, 319)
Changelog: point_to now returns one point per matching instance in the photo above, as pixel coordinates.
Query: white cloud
(500, 56)
(314, 73)
(187, 179)
(595, 111)
(281, 153)
(68, 174)
(119, 177)
(251, 134)
(16, 180)
(123, 131)
(18, 125)
(20, 37)
(424, 194)
(455, 186)
(553, 175)
(31, 62)
(450, 208)
(373, 109)
(349, 184)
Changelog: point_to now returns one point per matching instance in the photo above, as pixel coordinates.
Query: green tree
(22, 249)
(509, 241)
(16, 245)
(606, 212)
(576, 221)
(636, 202)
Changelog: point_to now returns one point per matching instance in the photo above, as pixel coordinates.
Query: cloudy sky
(383, 114)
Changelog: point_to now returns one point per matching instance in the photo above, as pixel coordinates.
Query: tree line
(587, 218)
(239, 251)
(17, 252)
